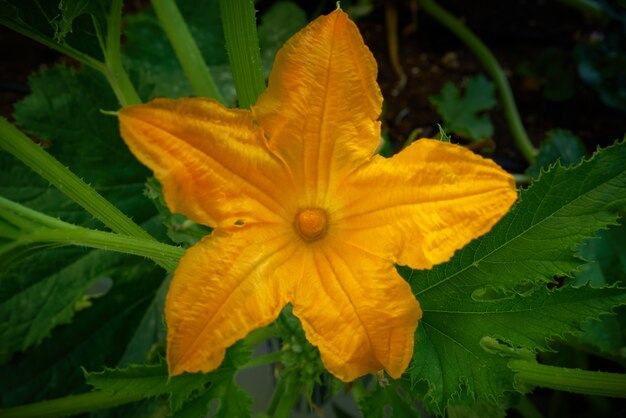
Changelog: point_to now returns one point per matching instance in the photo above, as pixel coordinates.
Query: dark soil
(19, 57)
(516, 31)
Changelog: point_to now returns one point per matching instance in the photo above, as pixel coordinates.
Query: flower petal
(357, 309)
(225, 286)
(321, 106)
(213, 162)
(425, 202)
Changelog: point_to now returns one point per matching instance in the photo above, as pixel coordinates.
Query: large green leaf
(461, 343)
(41, 293)
(606, 256)
(63, 113)
(47, 289)
(491, 297)
(187, 394)
(97, 336)
(536, 239)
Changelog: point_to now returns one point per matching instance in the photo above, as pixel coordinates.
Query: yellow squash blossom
(303, 211)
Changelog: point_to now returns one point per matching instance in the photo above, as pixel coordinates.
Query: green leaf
(494, 286)
(76, 28)
(62, 112)
(187, 394)
(463, 364)
(233, 401)
(477, 410)
(300, 360)
(148, 341)
(389, 397)
(606, 334)
(606, 256)
(278, 24)
(97, 336)
(73, 10)
(180, 229)
(156, 71)
(41, 293)
(536, 239)
(560, 145)
(47, 289)
(463, 114)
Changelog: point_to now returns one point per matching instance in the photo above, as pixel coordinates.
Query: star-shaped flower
(303, 211)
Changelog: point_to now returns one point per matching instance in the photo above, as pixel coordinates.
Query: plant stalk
(570, 380)
(167, 256)
(31, 154)
(186, 49)
(93, 401)
(114, 70)
(62, 48)
(70, 405)
(259, 335)
(242, 43)
(493, 68)
(262, 360)
(286, 394)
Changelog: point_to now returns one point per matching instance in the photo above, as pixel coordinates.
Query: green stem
(242, 43)
(24, 217)
(263, 360)
(70, 405)
(569, 380)
(285, 396)
(38, 228)
(31, 154)
(186, 49)
(279, 390)
(494, 70)
(114, 70)
(62, 48)
(259, 335)
(167, 256)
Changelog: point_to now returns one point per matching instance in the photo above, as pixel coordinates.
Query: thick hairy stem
(242, 43)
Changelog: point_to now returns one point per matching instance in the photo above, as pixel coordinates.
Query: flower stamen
(311, 224)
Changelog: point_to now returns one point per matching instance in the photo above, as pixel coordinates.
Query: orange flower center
(311, 224)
